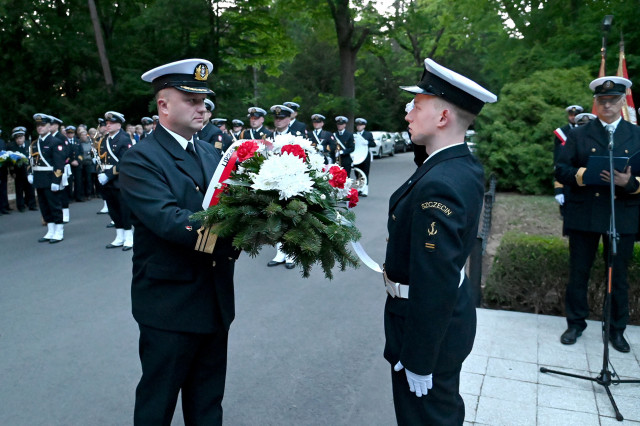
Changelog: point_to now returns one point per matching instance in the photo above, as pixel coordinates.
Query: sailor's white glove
(560, 199)
(103, 179)
(55, 187)
(418, 384)
(95, 160)
(30, 179)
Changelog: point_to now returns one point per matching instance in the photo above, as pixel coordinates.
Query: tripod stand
(604, 378)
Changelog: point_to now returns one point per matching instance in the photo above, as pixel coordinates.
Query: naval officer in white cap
(182, 298)
(430, 317)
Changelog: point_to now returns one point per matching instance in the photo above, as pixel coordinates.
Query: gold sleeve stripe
(579, 175)
(557, 184)
(638, 191)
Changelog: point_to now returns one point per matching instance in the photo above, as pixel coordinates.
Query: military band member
(147, 127)
(55, 129)
(227, 140)
(323, 140)
(298, 128)
(430, 317)
(182, 299)
(256, 123)
(4, 182)
(345, 142)
(209, 132)
(111, 150)
(588, 208)
(102, 132)
(236, 129)
(361, 123)
(47, 165)
(25, 195)
(77, 156)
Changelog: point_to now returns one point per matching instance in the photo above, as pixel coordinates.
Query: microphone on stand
(610, 130)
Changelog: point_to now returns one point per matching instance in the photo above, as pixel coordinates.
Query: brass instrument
(95, 153)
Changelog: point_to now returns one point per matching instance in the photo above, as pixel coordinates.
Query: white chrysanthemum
(316, 161)
(286, 173)
(289, 139)
(344, 192)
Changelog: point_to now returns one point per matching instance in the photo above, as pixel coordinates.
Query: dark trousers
(365, 166)
(442, 406)
(583, 247)
(173, 361)
(4, 194)
(25, 194)
(118, 211)
(50, 205)
(64, 195)
(86, 172)
(76, 176)
(345, 163)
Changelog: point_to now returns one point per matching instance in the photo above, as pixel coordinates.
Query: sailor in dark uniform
(227, 140)
(47, 165)
(430, 317)
(236, 129)
(113, 147)
(209, 132)
(361, 123)
(587, 208)
(25, 195)
(147, 127)
(256, 123)
(182, 299)
(56, 123)
(345, 142)
(323, 140)
(584, 118)
(77, 155)
(561, 134)
(297, 127)
(4, 181)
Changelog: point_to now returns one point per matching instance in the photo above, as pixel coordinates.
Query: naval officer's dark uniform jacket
(177, 293)
(298, 128)
(587, 216)
(366, 164)
(433, 224)
(48, 160)
(261, 133)
(24, 190)
(325, 140)
(211, 134)
(111, 151)
(348, 145)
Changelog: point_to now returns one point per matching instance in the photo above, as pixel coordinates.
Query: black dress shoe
(33, 209)
(127, 248)
(618, 341)
(111, 225)
(110, 246)
(570, 336)
(43, 240)
(274, 263)
(21, 209)
(290, 265)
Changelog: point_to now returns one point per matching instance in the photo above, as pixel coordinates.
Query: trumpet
(95, 154)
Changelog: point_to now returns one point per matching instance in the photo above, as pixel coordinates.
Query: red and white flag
(628, 109)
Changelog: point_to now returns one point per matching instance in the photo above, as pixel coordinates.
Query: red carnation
(246, 150)
(339, 177)
(296, 150)
(353, 198)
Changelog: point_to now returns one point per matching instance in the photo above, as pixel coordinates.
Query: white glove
(420, 385)
(30, 179)
(103, 179)
(560, 199)
(55, 187)
(95, 160)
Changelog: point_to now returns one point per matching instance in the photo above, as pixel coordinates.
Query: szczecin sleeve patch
(436, 205)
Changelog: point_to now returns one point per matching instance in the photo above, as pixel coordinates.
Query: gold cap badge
(608, 84)
(201, 73)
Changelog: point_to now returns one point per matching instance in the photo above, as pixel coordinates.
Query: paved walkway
(502, 383)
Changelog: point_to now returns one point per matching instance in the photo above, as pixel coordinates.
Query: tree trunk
(102, 52)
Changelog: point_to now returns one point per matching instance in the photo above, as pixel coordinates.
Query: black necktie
(192, 151)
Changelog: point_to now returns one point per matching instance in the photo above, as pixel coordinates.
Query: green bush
(530, 274)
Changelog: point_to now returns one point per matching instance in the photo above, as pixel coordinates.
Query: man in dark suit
(47, 165)
(111, 150)
(256, 123)
(210, 133)
(587, 208)
(430, 318)
(361, 123)
(182, 299)
(25, 195)
(345, 142)
(322, 139)
(296, 127)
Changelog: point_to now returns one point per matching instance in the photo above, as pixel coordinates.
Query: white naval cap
(237, 122)
(318, 117)
(188, 75)
(576, 109)
(114, 117)
(360, 121)
(281, 111)
(610, 85)
(341, 119)
(256, 112)
(459, 90)
(209, 105)
(18, 131)
(294, 106)
(585, 115)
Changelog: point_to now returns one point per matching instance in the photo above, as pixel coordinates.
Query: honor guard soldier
(256, 123)
(182, 293)
(25, 195)
(65, 192)
(113, 147)
(47, 165)
(298, 128)
(430, 317)
(147, 127)
(102, 133)
(210, 133)
(584, 118)
(322, 139)
(361, 123)
(345, 142)
(281, 119)
(4, 182)
(236, 129)
(587, 213)
(77, 155)
(560, 140)
(55, 129)
(221, 123)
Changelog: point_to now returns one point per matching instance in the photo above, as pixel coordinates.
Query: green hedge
(530, 274)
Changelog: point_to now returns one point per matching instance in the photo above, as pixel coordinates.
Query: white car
(384, 144)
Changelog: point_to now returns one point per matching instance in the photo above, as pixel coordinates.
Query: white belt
(402, 290)
(108, 166)
(42, 168)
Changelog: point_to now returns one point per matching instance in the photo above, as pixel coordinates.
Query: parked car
(407, 140)
(470, 139)
(400, 144)
(384, 144)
